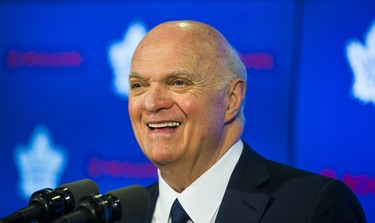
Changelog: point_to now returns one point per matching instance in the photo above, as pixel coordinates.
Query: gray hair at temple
(234, 68)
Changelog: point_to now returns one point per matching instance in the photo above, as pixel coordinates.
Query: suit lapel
(242, 202)
(242, 207)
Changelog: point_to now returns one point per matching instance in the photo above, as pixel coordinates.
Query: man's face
(175, 105)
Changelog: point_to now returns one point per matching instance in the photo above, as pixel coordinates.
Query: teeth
(165, 124)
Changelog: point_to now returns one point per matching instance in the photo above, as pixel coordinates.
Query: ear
(236, 96)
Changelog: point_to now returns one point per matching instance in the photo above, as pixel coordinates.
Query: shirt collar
(202, 198)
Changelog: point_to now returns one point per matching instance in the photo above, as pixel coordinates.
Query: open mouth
(163, 125)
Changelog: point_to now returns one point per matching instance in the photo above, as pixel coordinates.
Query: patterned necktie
(178, 214)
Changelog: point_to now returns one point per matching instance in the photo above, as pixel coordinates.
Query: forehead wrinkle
(179, 73)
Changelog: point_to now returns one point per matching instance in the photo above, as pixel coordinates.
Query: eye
(135, 85)
(179, 83)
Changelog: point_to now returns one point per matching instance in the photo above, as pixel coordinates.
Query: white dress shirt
(202, 199)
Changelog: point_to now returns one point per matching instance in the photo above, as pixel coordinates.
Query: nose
(157, 98)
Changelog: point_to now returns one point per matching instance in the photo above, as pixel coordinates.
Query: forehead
(168, 57)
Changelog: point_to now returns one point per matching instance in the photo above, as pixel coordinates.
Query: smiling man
(187, 88)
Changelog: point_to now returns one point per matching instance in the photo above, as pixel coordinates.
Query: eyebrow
(176, 73)
(133, 74)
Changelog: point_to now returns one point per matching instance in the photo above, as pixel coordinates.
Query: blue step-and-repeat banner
(63, 88)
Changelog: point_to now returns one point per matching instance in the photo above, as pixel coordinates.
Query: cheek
(203, 111)
(134, 106)
(191, 106)
(135, 112)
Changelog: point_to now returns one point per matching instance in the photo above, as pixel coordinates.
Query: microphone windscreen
(134, 200)
(81, 189)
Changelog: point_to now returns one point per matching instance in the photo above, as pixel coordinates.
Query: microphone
(48, 204)
(115, 206)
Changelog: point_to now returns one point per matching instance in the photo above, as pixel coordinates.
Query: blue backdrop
(63, 95)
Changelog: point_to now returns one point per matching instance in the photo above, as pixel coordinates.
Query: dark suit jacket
(263, 191)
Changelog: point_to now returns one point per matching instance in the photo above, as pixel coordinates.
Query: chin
(160, 157)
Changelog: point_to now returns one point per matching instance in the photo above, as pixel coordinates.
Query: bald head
(187, 33)
(204, 43)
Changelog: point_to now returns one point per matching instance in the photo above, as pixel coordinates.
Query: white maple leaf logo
(40, 164)
(361, 58)
(120, 53)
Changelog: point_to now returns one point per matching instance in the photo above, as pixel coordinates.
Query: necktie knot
(178, 214)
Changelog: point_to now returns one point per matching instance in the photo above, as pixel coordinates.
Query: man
(185, 104)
